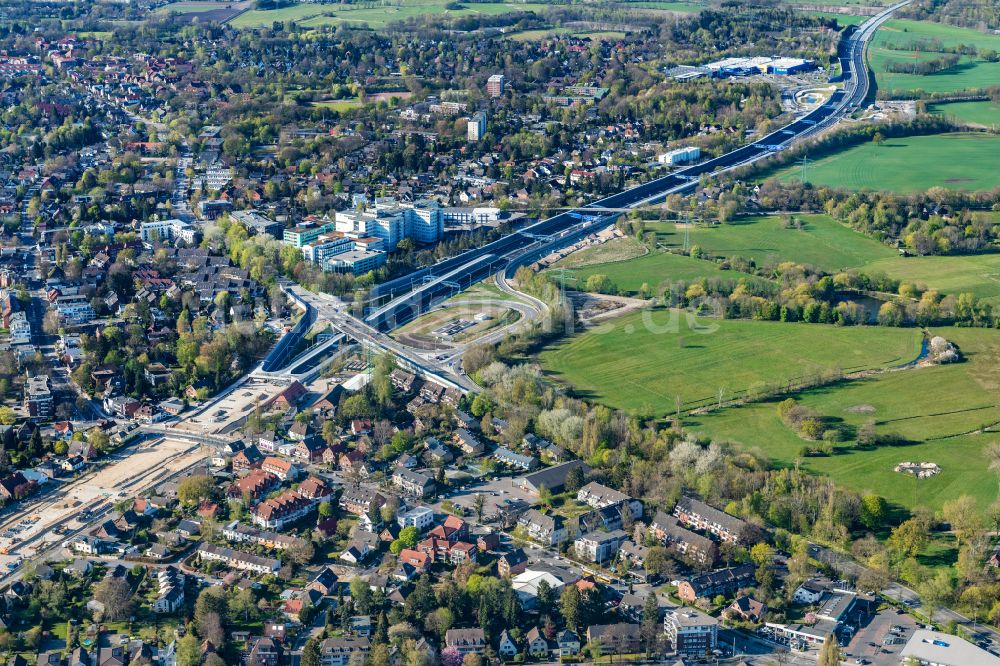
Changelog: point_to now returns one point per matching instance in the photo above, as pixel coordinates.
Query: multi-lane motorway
(398, 301)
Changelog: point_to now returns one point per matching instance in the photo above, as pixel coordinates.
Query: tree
(908, 538)
(829, 655)
(873, 511)
(194, 489)
(478, 502)
(116, 596)
(211, 600)
(575, 479)
(878, 138)
(7, 416)
(189, 650)
(963, 516)
(570, 605)
(310, 654)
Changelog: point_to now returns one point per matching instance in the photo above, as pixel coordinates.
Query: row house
(253, 486)
(698, 515)
(277, 512)
(236, 559)
(171, 590)
(237, 533)
(342, 651)
(667, 530)
(713, 583)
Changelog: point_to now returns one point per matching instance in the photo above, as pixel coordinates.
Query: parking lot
(880, 641)
(499, 494)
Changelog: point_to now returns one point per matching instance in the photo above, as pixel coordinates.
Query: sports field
(967, 161)
(935, 409)
(644, 361)
(821, 241)
(970, 73)
(656, 268)
(373, 14)
(981, 114)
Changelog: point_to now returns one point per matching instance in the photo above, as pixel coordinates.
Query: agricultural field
(658, 268)
(375, 15)
(970, 73)
(644, 361)
(934, 410)
(821, 241)
(678, 7)
(910, 164)
(980, 114)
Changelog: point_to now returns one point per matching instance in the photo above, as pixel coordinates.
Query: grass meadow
(644, 361)
(979, 114)
(962, 161)
(970, 73)
(934, 410)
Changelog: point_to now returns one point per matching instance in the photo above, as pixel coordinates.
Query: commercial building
(691, 632)
(167, 230)
(679, 156)
(477, 126)
(495, 85)
(257, 223)
(932, 648)
(305, 233)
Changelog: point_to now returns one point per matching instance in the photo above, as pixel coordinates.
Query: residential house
(413, 483)
(538, 647)
(749, 609)
(236, 559)
(506, 648)
(342, 651)
(713, 583)
(667, 529)
(569, 643)
(512, 563)
(466, 640)
(599, 546)
(619, 638)
(359, 500)
(283, 469)
(545, 529)
(695, 513)
(599, 496)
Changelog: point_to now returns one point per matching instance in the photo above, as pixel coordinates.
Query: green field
(338, 104)
(933, 408)
(842, 19)
(822, 242)
(192, 7)
(976, 274)
(910, 164)
(969, 73)
(981, 114)
(548, 33)
(656, 268)
(679, 7)
(645, 360)
(315, 15)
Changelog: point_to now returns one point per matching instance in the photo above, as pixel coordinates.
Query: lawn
(982, 114)
(338, 104)
(933, 408)
(821, 242)
(679, 7)
(966, 161)
(971, 72)
(644, 361)
(657, 268)
(374, 15)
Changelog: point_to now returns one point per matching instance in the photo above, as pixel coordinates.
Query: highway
(400, 300)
